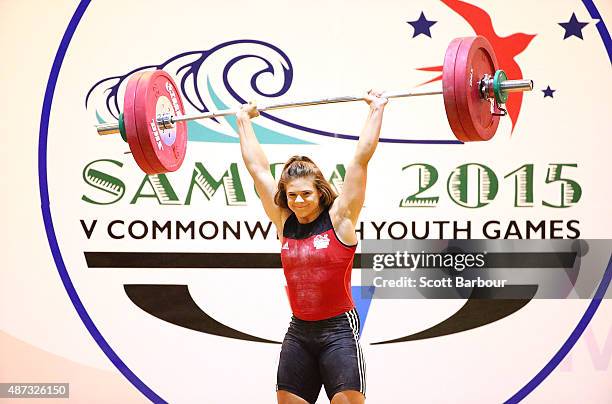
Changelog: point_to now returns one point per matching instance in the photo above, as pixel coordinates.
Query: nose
(299, 199)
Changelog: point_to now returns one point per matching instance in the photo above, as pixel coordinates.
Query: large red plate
(466, 62)
(160, 150)
(448, 89)
(130, 123)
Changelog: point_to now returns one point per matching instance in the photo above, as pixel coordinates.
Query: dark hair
(303, 167)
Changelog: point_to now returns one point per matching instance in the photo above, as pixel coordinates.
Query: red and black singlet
(317, 267)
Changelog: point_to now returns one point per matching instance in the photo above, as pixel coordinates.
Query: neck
(309, 217)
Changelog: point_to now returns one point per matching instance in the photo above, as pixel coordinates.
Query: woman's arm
(350, 201)
(257, 163)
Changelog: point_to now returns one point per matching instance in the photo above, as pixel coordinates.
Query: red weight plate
(448, 90)
(129, 121)
(156, 94)
(475, 58)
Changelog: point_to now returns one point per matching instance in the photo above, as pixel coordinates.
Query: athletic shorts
(322, 353)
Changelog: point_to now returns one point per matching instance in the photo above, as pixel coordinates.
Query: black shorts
(325, 352)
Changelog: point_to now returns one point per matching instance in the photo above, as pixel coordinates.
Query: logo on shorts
(321, 241)
(285, 246)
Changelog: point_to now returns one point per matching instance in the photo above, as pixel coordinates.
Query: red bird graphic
(505, 48)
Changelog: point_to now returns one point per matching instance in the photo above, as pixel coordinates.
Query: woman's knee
(284, 397)
(348, 397)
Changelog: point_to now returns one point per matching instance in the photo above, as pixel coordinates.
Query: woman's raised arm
(350, 201)
(257, 163)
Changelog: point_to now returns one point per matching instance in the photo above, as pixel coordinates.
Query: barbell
(153, 121)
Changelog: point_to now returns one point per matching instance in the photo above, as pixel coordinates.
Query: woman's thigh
(298, 372)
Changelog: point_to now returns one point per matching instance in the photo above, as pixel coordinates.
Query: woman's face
(302, 196)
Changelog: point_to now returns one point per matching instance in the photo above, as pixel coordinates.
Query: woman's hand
(375, 99)
(248, 111)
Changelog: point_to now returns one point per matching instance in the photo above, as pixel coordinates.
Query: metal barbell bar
(166, 121)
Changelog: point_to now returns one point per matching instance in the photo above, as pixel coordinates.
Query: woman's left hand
(375, 99)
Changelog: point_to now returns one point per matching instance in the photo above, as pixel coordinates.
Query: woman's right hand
(248, 111)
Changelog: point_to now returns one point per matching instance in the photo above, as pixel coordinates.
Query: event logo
(470, 185)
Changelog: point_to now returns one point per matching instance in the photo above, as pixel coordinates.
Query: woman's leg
(284, 397)
(341, 361)
(348, 397)
(298, 380)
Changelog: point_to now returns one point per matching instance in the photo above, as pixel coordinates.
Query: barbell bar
(166, 121)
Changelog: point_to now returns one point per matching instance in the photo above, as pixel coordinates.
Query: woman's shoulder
(285, 219)
(285, 215)
(343, 226)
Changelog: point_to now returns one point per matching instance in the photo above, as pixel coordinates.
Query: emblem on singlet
(321, 241)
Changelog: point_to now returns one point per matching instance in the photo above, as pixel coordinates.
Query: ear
(321, 195)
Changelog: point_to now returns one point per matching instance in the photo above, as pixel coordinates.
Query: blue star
(548, 92)
(573, 27)
(422, 25)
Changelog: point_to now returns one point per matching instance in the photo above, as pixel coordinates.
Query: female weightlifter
(316, 229)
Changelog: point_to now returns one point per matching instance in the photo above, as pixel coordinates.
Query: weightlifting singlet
(317, 267)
